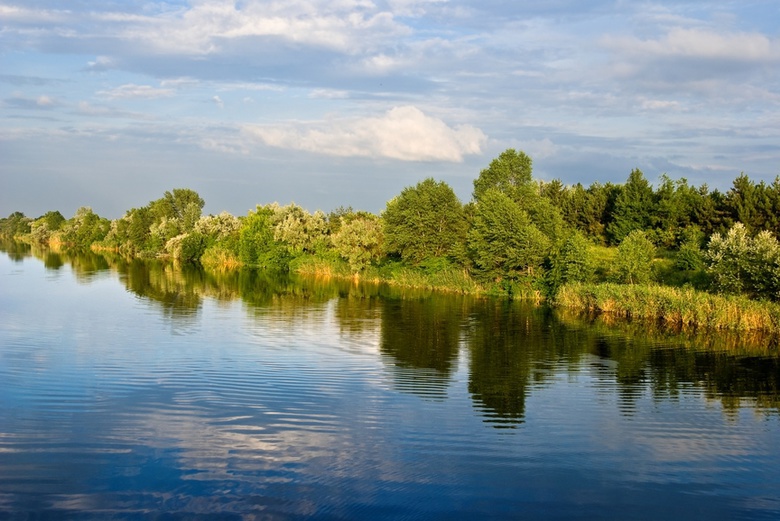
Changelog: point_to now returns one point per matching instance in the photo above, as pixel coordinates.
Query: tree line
(517, 235)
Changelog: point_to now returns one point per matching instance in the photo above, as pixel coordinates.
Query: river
(138, 390)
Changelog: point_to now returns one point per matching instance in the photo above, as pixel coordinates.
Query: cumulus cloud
(404, 133)
(132, 91)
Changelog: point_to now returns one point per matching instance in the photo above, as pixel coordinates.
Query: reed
(220, 259)
(680, 307)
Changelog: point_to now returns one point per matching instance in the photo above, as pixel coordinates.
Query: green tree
(42, 229)
(504, 242)
(359, 240)
(572, 262)
(257, 246)
(634, 208)
(424, 221)
(85, 228)
(15, 224)
(633, 264)
(181, 205)
(745, 202)
(510, 173)
(300, 230)
(739, 263)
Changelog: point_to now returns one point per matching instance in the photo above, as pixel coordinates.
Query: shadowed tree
(634, 208)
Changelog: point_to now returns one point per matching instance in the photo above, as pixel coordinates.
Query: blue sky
(345, 102)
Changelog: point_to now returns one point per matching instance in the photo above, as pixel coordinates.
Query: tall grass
(681, 307)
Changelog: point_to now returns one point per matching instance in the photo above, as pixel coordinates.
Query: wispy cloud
(132, 91)
(403, 133)
(701, 44)
(42, 102)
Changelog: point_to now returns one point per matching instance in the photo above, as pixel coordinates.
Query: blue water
(130, 391)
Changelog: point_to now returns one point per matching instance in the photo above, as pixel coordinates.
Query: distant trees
(43, 228)
(85, 228)
(16, 224)
(514, 231)
(633, 209)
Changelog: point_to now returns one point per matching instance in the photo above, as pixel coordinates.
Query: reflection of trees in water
(420, 337)
(513, 348)
(16, 251)
(728, 366)
(177, 291)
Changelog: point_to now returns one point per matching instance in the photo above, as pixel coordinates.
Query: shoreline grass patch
(681, 307)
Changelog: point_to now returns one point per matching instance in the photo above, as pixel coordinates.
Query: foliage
(85, 228)
(424, 221)
(43, 228)
(633, 264)
(517, 236)
(503, 240)
(15, 225)
(359, 240)
(572, 262)
(510, 174)
(300, 230)
(256, 244)
(633, 208)
(681, 307)
(739, 263)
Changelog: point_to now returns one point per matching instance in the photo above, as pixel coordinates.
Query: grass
(679, 307)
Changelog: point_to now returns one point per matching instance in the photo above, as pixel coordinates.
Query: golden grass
(682, 307)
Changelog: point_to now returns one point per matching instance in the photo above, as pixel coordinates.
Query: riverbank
(678, 307)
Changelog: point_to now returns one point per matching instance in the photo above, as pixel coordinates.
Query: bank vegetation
(675, 253)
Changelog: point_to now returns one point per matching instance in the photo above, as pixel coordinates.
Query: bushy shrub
(633, 264)
(739, 263)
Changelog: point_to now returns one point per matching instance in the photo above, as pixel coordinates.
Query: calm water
(135, 391)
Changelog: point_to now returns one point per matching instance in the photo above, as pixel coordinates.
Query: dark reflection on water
(421, 337)
(135, 390)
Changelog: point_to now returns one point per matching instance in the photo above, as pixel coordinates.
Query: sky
(330, 103)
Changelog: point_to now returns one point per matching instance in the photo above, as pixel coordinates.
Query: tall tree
(510, 173)
(504, 241)
(424, 221)
(633, 208)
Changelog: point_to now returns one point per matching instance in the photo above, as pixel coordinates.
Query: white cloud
(702, 44)
(218, 101)
(44, 101)
(655, 104)
(132, 91)
(328, 94)
(101, 63)
(207, 26)
(403, 133)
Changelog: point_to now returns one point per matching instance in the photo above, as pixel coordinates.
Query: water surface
(135, 390)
